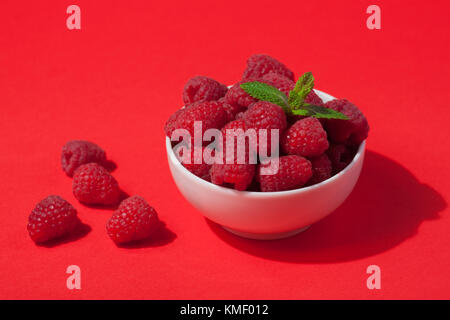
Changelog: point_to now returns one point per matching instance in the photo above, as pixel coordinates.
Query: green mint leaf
(319, 112)
(265, 92)
(295, 100)
(302, 88)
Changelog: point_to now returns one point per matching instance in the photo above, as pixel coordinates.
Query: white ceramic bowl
(266, 215)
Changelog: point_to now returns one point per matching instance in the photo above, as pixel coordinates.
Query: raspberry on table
(77, 152)
(210, 113)
(236, 96)
(234, 172)
(260, 64)
(293, 172)
(306, 138)
(203, 88)
(352, 131)
(133, 220)
(52, 218)
(340, 156)
(93, 184)
(321, 167)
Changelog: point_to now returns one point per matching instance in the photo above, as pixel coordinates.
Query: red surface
(117, 80)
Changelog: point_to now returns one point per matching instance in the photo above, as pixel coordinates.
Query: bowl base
(266, 236)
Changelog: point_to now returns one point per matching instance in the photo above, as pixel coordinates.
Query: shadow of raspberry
(110, 165)
(160, 237)
(80, 232)
(386, 207)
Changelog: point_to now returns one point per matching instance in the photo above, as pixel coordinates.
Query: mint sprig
(265, 92)
(301, 90)
(294, 104)
(311, 110)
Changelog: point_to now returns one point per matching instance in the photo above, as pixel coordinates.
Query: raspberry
(210, 113)
(92, 184)
(203, 88)
(279, 81)
(52, 218)
(239, 176)
(260, 64)
(293, 172)
(321, 167)
(340, 156)
(78, 152)
(134, 220)
(268, 116)
(235, 173)
(313, 98)
(171, 123)
(265, 115)
(196, 163)
(306, 137)
(231, 109)
(236, 96)
(352, 131)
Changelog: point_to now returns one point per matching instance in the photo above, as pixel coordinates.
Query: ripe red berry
(134, 220)
(340, 156)
(313, 98)
(260, 64)
(267, 116)
(306, 138)
(171, 123)
(203, 88)
(93, 184)
(196, 161)
(210, 113)
(352, 131)
(279, 81)
(52, 218)
(78, 152)
(237, 97)
(293, 172)
(238, 168)
(321, 167)
(231, 109)
(238, 176)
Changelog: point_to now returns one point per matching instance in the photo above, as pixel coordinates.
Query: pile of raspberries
(311, 150)
(86, 162)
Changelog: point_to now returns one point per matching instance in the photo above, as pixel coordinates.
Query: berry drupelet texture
(93, 184)
(203, 88)
(293, 172)
(322, 169)
(352, 131)
(260, 64)
(306, 138)
(134, 220)
(78, 152)
(52, 218)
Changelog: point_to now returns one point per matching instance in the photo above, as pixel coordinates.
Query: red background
(117, 80)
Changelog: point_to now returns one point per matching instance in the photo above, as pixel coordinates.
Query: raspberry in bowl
(321, 153)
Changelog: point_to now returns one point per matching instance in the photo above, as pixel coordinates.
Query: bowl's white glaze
(266, 215)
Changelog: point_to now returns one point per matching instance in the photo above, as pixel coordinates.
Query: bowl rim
(260, 194)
